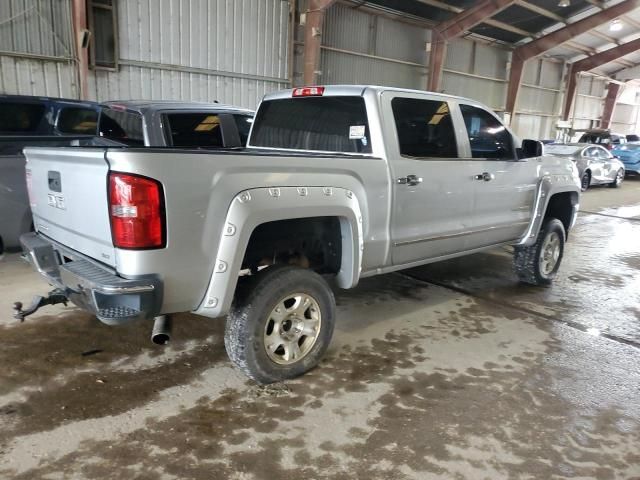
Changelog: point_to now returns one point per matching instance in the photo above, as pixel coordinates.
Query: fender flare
(254, 207)
(548, 186)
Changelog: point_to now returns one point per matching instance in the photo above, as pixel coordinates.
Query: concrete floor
(446, 371)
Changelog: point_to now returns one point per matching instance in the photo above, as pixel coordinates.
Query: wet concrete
(447, 371)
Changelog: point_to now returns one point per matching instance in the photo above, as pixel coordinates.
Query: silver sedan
(595, 163)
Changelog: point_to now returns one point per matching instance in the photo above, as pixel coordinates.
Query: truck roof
(357, 90)
(40, 98)
(150, 106)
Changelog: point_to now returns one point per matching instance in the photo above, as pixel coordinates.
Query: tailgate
(68, 196)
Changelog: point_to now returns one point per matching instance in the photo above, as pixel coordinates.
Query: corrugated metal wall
(587, 106)
(626, 115)
(36, 53)
(477, 71)
(539, 99)
(360, 47)
(233, 51)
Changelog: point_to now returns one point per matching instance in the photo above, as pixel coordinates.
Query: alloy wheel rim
(619, 177)
(292, 328)
(550, 253)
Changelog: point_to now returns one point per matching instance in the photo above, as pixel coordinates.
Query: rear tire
(618, 180)
(281, 324)
(538, 264)
(585, 181)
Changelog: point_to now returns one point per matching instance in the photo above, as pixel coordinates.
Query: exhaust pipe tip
(161, 332)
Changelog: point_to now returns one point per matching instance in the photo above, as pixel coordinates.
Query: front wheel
(618, 180)
(281, 324)
(538, 264)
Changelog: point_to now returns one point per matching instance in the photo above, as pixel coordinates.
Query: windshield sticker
(356, 132)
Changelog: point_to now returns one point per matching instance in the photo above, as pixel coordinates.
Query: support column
(570, 93)
(313, 39)
(610, 104)
(515, 78)
(79, 8)
(436, 60)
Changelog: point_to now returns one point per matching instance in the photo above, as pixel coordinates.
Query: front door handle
(410, 180)
(486, 176)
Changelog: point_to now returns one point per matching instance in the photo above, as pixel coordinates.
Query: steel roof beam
(553, 39)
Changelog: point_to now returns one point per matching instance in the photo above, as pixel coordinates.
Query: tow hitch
(53, 297)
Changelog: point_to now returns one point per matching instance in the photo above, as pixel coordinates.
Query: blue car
(629, 154)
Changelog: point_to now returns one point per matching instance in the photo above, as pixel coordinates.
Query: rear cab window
(23, 118)
(194, 129)
(320, 123)
(121, 126)
(424, 128)
(488, 138)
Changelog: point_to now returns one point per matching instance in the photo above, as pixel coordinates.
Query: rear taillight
(136, 209)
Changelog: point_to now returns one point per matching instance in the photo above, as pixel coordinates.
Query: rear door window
(194, 129)
(424, 127)
(121, 126)
(330, 124)
(78, 120)
(488, 138)
(18, 118)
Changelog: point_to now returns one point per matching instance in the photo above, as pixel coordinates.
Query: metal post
(80, 29)
(313, 39)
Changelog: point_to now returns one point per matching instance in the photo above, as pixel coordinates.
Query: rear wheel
(281, 324)
(538, 264)
(618, 180)
(585, 181)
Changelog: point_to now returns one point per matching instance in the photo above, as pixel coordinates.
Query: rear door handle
(410, 180)
(486, 176)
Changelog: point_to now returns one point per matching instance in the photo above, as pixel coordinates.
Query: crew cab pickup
(337, 182)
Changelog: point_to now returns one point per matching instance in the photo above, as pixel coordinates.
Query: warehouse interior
(448, 370)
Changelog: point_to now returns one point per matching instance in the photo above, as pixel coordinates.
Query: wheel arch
(551, 200)
(252, 208)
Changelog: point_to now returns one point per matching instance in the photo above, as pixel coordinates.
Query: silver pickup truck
(337, 182)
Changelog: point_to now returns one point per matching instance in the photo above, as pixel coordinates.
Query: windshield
(561, 149)
(330, 124)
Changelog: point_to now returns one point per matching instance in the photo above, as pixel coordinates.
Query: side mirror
(530, 148)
